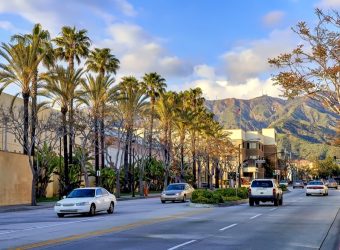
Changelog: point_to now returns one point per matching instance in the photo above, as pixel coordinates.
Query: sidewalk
(49, 204)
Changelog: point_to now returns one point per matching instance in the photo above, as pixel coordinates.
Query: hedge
(218, 196)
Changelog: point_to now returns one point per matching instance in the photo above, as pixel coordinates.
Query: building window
(252, 145)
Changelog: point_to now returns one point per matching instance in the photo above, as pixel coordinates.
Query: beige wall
(15, 179)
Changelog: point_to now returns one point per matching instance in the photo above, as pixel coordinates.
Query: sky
(221, 46)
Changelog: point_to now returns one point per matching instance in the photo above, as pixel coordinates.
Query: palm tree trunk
(126, 162)
(96, 149)
(25, 96)
(70, 118)
(193, 148)
(66, 170)
(34, 112)
(151, 126)
(217, 175)
(182, 158)
(102, 142)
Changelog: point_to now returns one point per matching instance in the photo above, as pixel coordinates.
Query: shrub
(242, 192)
(206, 197)
(283, 187)
(231, 198)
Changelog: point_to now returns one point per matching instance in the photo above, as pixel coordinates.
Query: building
(256, 148)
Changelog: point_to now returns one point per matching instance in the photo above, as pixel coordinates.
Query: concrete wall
(15, 179)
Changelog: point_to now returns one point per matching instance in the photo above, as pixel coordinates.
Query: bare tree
(313, 69)
(45, 132)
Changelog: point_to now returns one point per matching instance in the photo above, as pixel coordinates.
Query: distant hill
(303, 125)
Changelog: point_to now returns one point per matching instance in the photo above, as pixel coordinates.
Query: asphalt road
(301, 223)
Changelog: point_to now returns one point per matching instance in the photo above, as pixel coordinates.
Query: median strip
(110, 230)
(230, 226)
(185, 243)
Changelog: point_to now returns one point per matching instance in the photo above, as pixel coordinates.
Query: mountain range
(304, 126)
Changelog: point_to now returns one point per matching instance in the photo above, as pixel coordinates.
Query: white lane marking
(230, 226)
(273, 209)
(255, 216)
(37, 227)
(185, 243)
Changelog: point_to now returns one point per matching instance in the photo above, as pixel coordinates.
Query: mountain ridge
(303, 125)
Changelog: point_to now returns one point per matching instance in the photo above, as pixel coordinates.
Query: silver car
(177, 192)
(298, 184)
(331, 183)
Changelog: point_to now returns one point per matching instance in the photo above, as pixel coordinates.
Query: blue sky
(221, 46)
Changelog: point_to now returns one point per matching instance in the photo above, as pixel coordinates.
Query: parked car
(298, 184)
(284, 182)
(316, 187)
(265, 190)
(331, 183)
(86, 201)
(177, 192)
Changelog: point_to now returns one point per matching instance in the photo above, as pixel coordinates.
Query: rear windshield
(315, 183)
(264, 184)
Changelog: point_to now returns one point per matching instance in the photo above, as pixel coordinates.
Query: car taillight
(320, 187)
(274, 191)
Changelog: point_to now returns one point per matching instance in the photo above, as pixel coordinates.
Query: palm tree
(195, 102)
(72, 44)
(132, 103)
(60, 87)
(39, 39)
(154, 86)
(96, 92)
(102, 61)
(164, 108)
(182, 119)
(22, 63)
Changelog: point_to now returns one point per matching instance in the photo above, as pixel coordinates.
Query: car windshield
(283, 181)
(264, 184)
(78, 193)
(315, 183)
(176, 187)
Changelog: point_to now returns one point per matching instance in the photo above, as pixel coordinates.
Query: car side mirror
(64, 197)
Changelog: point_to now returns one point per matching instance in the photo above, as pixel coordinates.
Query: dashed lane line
(255, 216)
(230, 226)
(183, 244)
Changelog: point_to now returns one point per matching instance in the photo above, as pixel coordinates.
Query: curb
(226, 204)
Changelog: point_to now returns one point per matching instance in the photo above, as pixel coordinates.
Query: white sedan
(86, 201)
(316, 187)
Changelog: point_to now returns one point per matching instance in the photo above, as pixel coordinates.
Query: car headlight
(179, 193)
(82, 203)
(58, 204)
(163, 193)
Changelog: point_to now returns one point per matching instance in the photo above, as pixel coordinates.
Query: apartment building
(256, 148)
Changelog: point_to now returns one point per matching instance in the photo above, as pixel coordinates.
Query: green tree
(154, 86)
(103, 62)
(72, 44)
(60, 87)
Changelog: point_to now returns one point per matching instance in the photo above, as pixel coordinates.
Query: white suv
(265, 190)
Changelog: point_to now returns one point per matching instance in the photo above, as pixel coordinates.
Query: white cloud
(126, 7)
(273, 18)
(250, 60)
(329, 4)
(139, 52)
(221, 89)
(5, 25)
(218, 87)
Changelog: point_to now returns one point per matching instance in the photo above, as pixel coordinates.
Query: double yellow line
(111, 230)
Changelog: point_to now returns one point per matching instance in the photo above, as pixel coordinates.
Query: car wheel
(257, 203)
(184, 198)
(60, 215)
(251, 202)
(111, 208)
(276, 202)
(92, 210)
(163, 202)
(293, 187)
(307, 194)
